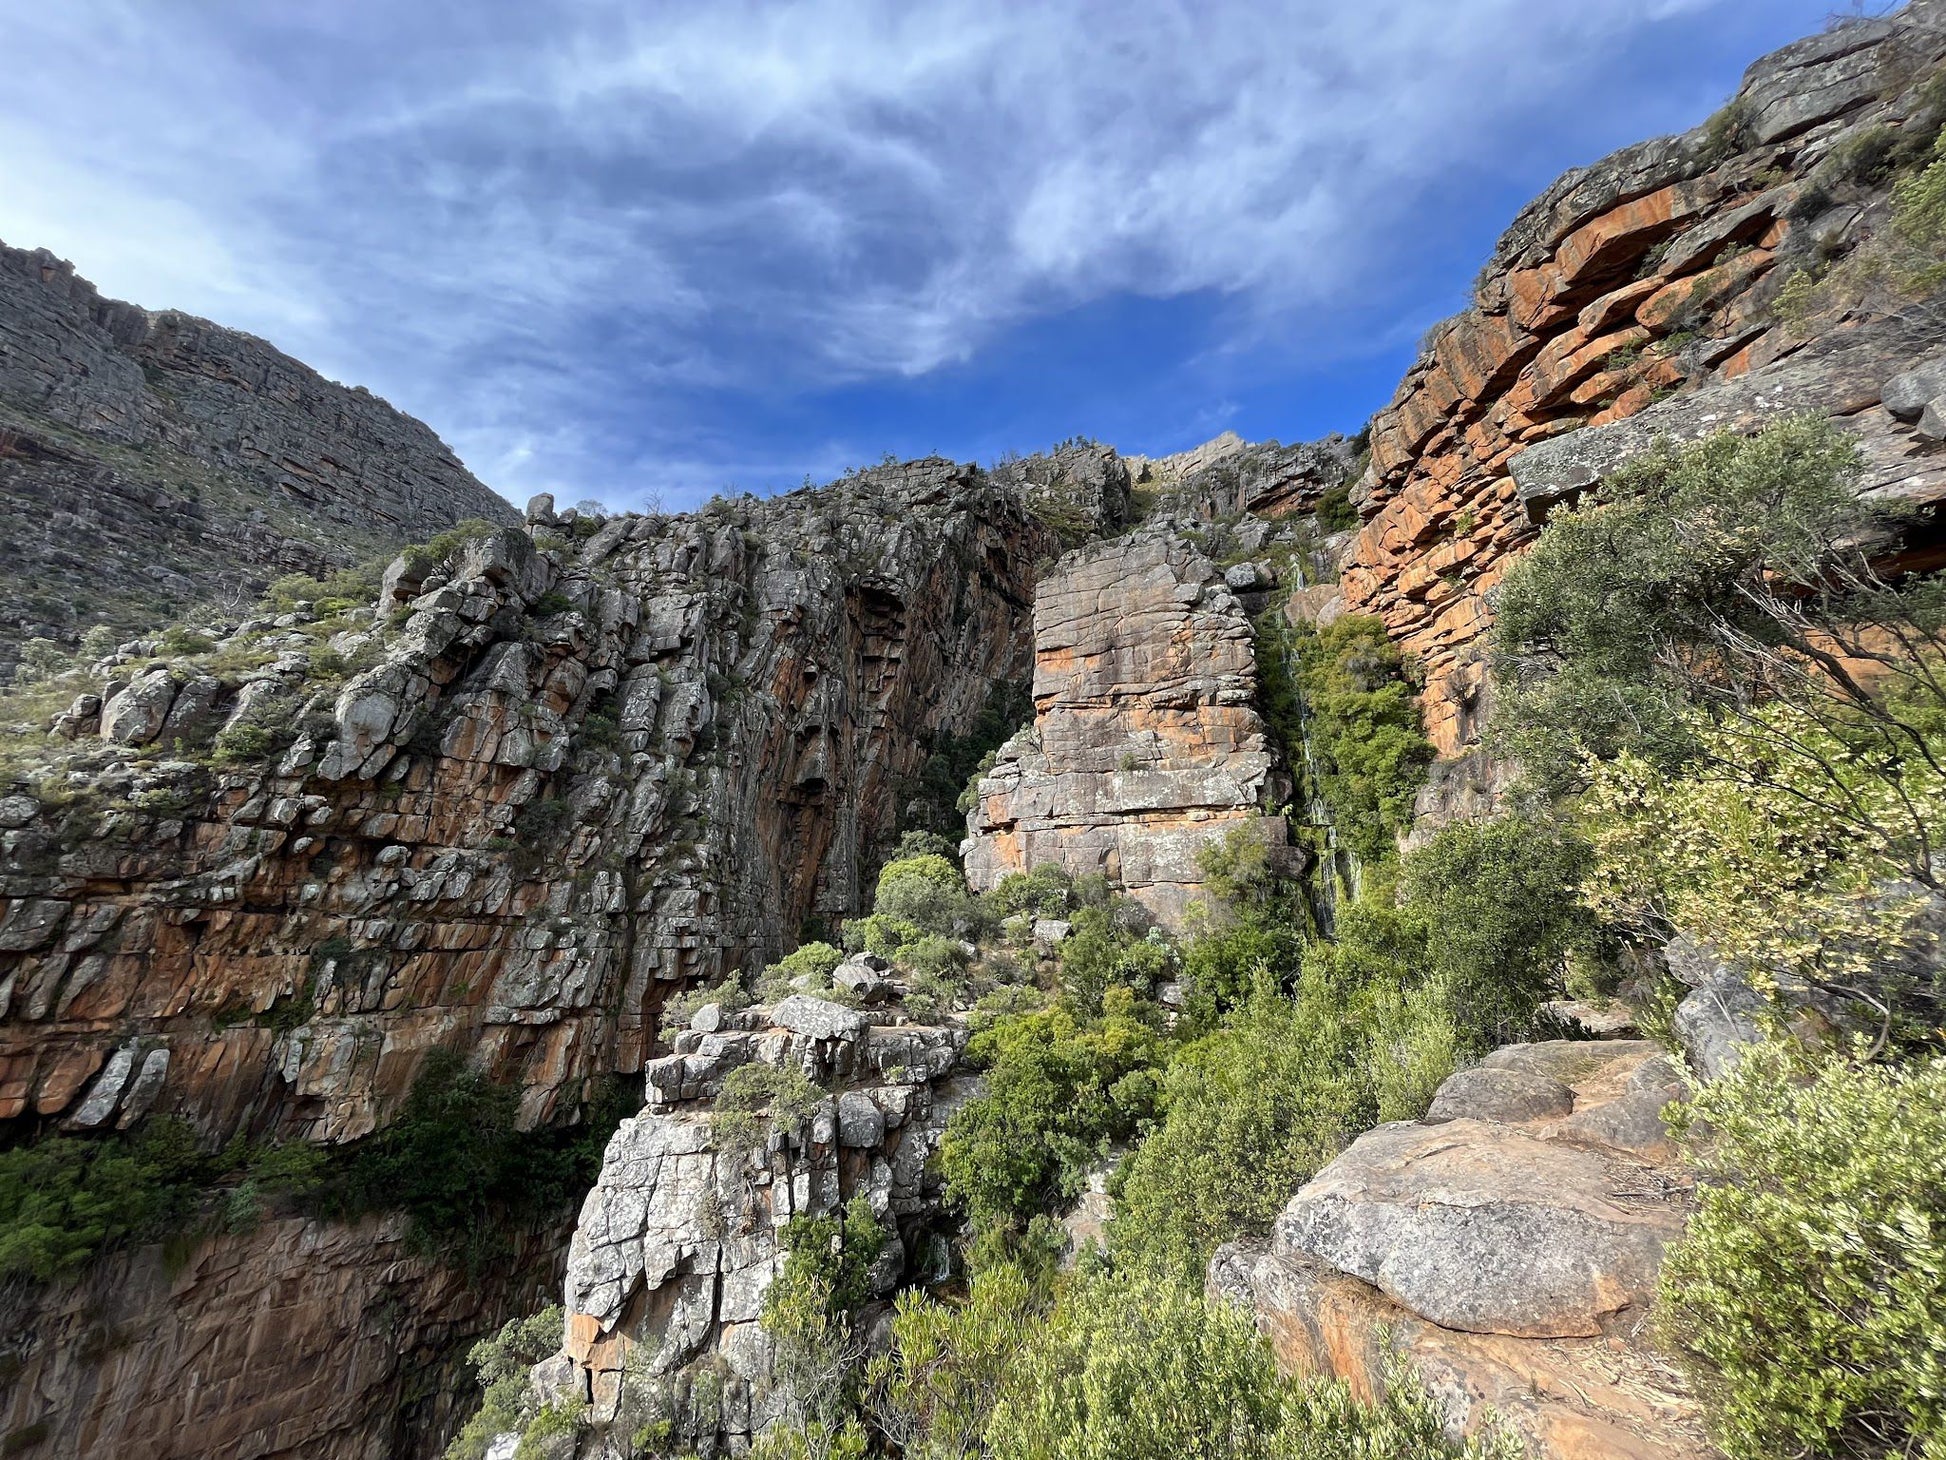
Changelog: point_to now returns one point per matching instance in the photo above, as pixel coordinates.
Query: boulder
(861, 980)
(819, 1018)
(1503, 1095)
(1907, 394)
(1484, 1228)
(136, 715)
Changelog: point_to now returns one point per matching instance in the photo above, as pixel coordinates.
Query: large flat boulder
(1485, 1228)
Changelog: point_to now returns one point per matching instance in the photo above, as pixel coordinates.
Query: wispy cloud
(567, 233)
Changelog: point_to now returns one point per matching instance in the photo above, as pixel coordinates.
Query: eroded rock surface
(1506, 1247)
(151, 460)
(680, 1240)
(1146, 744)
(1631, 300)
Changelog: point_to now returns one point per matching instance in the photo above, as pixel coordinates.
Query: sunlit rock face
(681, 1239)
(1146, 744)
(1634, 299)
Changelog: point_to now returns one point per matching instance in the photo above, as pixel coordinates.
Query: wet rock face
(1146, 745)
(1648, 275)
(1506, 1248)
(680, 1239)
(151, 460)
(577, 777)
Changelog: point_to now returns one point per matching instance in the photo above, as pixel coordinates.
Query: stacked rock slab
(1640, 291)
(680, 1239)
(1146, 745)
(153, 460)
(1502, 1253)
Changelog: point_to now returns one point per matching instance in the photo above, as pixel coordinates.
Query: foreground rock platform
(1506, 1248)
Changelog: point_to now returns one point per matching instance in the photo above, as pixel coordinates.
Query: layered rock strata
(1503, 1251)
(559, 775)
(300, 1339)
(1146, 744)
(1638, 297)
(682, 1236)
(150, 460)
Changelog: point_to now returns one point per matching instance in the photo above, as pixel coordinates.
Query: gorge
(361, 803)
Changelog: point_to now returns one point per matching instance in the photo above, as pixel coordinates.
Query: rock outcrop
(1635, 299)
(1505, 1248)
(562, 774)
(311, 1340)
(1146, 744)
(150, 460)
(681, 1238)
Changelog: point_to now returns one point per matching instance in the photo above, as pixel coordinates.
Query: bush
(62, 1200)
(1136, 1366)
(501, 1364)
(758, 1101)
(1109, 948)
(932, 1392)
(1252, 1112)
(1806, 1296)
(454, 1163)
(1061, 1089)
(1045, 891)
(1360, 717)
(1334, 511)
(1502, 898)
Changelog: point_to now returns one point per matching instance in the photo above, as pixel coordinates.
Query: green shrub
(1806, 1296)
(1107, 948)
(1252, 1112)
(1345, 689)
(1061, 1089)
(1651, 597)
(62, 1200)
(454, 1163)
(757, 1101)
(932, 1392)
(1046, 891)
(816, 959)
(1137, 1366)
(827, 1263)
(1502, 899)
(1334, 511)
(501, 1364)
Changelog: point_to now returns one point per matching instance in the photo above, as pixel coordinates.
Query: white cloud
(514, 218)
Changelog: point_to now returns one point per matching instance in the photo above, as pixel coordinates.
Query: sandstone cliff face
(299, 1339)
(1642, 291)
(149, 460)
(1146, 744)
(680, 1240)
(574, 778)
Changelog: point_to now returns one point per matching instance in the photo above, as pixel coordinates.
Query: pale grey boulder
(1507, 1096)
(1483, 1227)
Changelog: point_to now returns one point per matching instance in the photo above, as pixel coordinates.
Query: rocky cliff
(1645, 295)
(683, 1236)
(1146, 743)
(555, 777)
(153, 460)
(556, 774)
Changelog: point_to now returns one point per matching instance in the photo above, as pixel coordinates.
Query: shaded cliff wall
(575, 778)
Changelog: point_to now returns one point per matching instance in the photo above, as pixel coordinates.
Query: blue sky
(644, 251)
